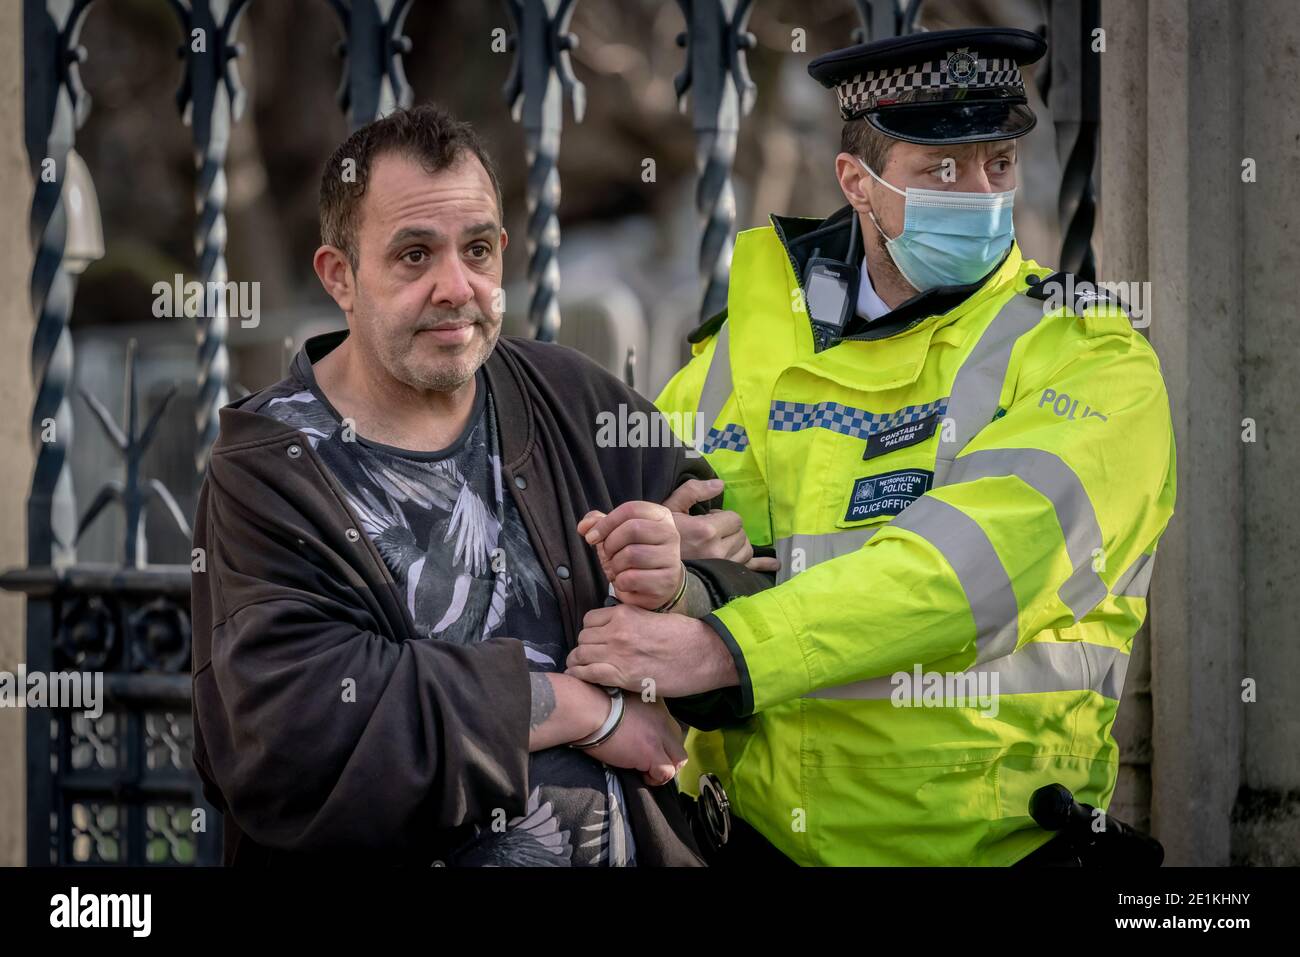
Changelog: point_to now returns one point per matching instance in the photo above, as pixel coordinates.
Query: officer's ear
(854, 181)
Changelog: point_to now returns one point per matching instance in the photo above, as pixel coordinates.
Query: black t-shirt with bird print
(458, 550)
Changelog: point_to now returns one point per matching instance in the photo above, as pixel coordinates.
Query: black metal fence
(120, 788)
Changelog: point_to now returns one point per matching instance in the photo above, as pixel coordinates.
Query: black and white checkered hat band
(865, 90)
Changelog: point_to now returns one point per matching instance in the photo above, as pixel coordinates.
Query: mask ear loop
(876, 176)
(872, 213)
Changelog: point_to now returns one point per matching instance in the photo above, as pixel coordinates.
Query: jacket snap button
(352, 535)
(1031, 279)
(521, 483)
(295, 451)
(562, 571)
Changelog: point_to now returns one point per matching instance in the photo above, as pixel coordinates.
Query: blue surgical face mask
(948, 238)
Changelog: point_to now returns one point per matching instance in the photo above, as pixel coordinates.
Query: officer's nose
(977, 181)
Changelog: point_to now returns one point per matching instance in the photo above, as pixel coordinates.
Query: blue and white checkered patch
(733, 438)
(796, 416)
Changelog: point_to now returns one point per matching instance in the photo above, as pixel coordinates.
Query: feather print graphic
(533, 840)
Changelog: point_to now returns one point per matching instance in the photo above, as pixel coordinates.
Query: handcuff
(617, 705)
(672, 602)
(611, 723)
(712, 818)
(714, 811)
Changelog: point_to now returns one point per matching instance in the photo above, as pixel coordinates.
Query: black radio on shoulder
(830, 293)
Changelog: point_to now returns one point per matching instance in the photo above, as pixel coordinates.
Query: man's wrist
(675, 603)
(695, 601)
(581, 708)
(607, 727)
(593, 710)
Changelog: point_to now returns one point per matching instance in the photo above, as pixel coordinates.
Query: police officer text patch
(900, 437)
(886, 494)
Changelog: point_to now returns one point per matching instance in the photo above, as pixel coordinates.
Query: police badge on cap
(950, 86)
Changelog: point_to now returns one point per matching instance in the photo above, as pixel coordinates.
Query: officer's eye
(419, 256)
(480, 251)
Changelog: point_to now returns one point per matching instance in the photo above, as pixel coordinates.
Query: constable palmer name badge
(900, 437)
(886, 494)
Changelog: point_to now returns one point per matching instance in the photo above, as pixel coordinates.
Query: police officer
(963, 469)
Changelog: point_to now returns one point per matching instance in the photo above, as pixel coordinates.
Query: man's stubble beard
(451, 371)
(447, 373)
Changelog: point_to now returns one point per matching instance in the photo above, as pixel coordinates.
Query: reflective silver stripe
(819, 548)
(717, 382)
(1054, 480)
(1107, 666)
(1037, 668)
(965, 547)
(1137, 578)
(978, 384)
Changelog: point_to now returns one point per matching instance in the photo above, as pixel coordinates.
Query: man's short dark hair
(426, 134)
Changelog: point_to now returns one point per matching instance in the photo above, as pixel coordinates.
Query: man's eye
(419, 253)
(480, 251)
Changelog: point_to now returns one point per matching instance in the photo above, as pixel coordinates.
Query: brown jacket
(295, 600)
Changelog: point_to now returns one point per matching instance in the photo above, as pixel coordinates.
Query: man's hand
(625, 646)
(719, 534)
(648, 740)
(639, 550)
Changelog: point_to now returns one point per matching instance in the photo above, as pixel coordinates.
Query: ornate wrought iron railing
(121, 788)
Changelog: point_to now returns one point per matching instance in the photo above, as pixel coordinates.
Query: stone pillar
(1267, 817)
(1194, 67)
(1192, 89)
(16, 325)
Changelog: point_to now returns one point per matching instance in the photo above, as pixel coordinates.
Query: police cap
(948, 86)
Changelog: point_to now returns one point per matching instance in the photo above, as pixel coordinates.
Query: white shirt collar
(870, 306)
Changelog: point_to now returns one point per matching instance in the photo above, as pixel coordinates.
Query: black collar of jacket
(830, 237)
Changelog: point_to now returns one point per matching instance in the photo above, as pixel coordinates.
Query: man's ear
(853, 182)
(505, 239)
(335, 274)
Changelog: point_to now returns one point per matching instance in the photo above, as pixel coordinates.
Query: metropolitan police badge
(886, 494)
(961, 66)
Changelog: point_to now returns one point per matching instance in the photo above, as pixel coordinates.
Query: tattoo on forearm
(543, 700)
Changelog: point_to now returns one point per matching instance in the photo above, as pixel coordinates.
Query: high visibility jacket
(966, 513)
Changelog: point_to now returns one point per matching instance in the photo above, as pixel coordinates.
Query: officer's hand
(639, 550)
(647, 740)
(667, 655)
(719, 534)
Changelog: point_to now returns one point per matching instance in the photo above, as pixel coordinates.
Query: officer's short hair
(866, 142)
